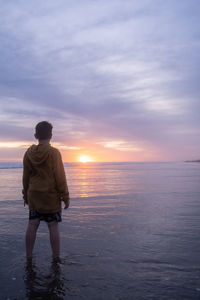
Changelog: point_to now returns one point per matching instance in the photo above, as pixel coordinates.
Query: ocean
(132, 232)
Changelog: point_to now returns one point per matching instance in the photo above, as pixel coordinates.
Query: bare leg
(31, 236)
(54, 238)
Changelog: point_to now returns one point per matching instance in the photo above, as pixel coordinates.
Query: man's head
(43, 131)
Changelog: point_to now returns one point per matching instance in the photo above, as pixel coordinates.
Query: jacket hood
(38, 154)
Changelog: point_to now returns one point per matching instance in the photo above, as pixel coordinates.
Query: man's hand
(66, 206)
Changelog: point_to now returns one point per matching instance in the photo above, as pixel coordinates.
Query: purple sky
(119, 80)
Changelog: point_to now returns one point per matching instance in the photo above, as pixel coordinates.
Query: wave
(10, 165)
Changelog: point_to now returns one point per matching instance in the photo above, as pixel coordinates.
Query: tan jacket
(44, 180)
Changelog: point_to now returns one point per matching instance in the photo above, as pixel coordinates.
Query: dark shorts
(33, 214)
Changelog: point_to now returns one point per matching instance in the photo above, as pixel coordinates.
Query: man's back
(44, 178)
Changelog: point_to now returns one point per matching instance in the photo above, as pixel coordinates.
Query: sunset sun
(84, 159)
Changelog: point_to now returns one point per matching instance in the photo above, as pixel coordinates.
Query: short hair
(43, 130)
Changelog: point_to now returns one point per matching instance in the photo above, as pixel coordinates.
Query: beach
(131, 232)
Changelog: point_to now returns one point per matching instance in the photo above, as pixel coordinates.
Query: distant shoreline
(19, 165)
(197, 160)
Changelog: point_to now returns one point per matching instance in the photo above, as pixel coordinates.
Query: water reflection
(40, 286)
(92, 179)
(84, 182)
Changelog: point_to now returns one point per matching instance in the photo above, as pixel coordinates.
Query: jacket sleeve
(25, 178)
(60, 178)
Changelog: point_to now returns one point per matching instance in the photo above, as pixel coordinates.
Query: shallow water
(131, 232)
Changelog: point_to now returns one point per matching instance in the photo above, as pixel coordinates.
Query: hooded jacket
(44, 180)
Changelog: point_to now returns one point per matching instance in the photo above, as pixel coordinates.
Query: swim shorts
(33, 214)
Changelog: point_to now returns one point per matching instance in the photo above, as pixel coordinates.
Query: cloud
(121, 146)
(101, 72)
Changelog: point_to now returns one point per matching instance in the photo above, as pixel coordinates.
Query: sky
(119, 80)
